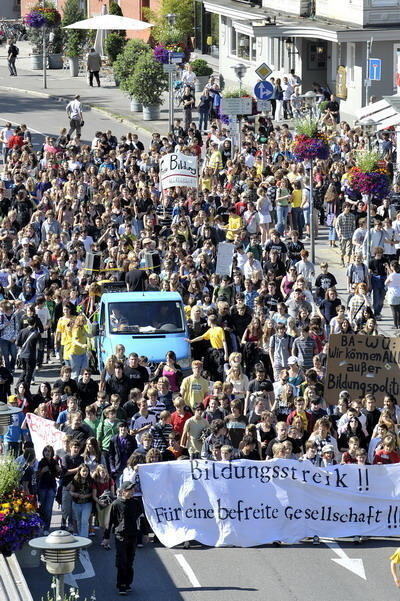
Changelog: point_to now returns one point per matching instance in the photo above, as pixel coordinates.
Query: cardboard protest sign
(362, 365)
(247, 503)
(178, 169)
(225, 258)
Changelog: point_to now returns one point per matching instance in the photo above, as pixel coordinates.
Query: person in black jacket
(6, 379)
(27, 342)
(119, 383)
(87, 389)
(123, 520)
(121, 448)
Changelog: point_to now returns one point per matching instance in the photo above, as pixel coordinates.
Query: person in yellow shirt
(235, 224)
(297, 211)
(76, 346)
(61, 330)
(219, 348)
(194, 387)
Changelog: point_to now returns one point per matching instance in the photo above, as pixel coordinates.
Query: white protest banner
(43, 432)
(247, 503)
(178, 169)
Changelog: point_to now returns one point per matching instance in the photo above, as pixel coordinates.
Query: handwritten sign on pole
(362, 365)
(178, 169)
(225, 258)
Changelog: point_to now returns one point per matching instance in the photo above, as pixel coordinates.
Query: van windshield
(145, 317)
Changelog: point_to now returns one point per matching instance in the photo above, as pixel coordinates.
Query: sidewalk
(108, 99)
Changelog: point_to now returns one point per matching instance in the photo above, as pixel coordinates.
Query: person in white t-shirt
(392, 283)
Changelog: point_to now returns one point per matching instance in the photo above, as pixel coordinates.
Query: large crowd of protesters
(258, 335)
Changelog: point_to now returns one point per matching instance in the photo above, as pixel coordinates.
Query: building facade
(93, 8)
(325, 42)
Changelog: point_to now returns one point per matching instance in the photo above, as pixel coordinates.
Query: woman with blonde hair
(239, 381)
(76, 347)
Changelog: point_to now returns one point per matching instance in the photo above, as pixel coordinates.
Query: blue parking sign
(375, 69)
(263, 90)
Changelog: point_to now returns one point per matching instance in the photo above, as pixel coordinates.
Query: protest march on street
(216, 380)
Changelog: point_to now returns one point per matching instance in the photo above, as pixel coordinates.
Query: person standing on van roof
(135, 279)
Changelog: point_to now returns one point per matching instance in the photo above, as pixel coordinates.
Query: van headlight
(185, 363)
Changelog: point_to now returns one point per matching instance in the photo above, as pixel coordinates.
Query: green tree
(148, 82)
(74, 38)
(115, 9)
(163, 32)
(125, 62)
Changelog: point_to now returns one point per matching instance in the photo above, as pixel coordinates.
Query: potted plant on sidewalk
(202, 70)
(55, 49)
(124, 66)
(74, 38)
(147, 85)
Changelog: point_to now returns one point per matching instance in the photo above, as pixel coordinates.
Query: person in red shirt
(350, 456)
(180, 416)
(16, 140)
(388, 454)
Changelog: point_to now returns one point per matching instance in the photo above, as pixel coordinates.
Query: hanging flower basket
(374, 183)
(309, 143)
(305, 148)
(42, 17)
(369, 176)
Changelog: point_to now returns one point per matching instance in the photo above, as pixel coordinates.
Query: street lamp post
(368, 127)
(311, 100)
(240, 71)
(171, 18)
(6, 413)
(60, 550)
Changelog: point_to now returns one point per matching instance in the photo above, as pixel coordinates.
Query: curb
(99, 109)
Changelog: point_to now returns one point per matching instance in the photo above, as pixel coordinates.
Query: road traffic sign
(263, 71)
(263, 90)
(374, 69)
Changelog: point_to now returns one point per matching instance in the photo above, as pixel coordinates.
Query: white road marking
(15, 123)
(88, 570)
(188, 570)
(353, 565)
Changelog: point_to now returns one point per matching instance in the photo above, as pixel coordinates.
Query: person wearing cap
(123, 522)
(328, 456)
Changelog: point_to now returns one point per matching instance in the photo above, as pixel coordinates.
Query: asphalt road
(301, 572)
(45, 116)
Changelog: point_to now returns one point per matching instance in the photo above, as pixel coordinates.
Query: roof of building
(263, 21)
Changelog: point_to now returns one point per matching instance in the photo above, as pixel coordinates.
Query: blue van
(147, 323)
